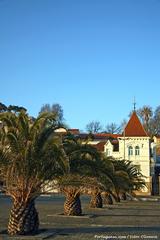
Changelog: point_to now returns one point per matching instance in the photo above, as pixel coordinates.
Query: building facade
(135, 145)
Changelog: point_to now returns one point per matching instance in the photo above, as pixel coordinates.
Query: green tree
(104, 176)
(3, 107)
(116, 178)
(16, 109)
(30, 156)
(126, 178)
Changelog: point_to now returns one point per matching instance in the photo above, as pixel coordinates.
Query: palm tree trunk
(116, 196)
(96, 200)
(72, 205)
(108, 199)
(123, 196)
(23, 218)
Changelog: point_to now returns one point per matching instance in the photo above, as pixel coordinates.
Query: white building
(135, 145)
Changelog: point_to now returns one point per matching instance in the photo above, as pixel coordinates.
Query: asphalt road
(125, 220)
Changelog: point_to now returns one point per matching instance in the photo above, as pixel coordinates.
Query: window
(130, 151)
(137, 152)
(108, 152)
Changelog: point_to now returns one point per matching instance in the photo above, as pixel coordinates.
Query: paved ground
(125, 220)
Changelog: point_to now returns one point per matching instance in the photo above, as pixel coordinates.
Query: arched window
(130, 150)
(137, 151)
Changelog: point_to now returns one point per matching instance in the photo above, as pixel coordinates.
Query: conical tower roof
(134, 127)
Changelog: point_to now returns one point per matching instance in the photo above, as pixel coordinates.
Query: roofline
(140, 123)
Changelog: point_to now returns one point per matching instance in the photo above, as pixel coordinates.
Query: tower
(135, 146)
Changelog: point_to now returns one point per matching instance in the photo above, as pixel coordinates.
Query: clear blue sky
(90, 56)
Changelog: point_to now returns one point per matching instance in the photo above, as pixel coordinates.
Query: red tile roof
(134, 127)
(74, 130)
(157, 136)
(99, 136)
(107, 135)
(100, 146)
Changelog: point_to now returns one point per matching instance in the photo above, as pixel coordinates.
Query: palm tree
(96, 198)
(104, 176)
(127, 178)
(117, 177)
(16, 109)
(78, 174)
(3, 107)
(30, 156)
(145, 113)
(108, 198)
(73, 186)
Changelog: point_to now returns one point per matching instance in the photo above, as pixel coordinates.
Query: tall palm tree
(30, 156)
(145, 113)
